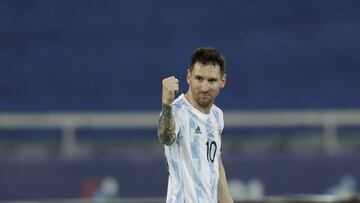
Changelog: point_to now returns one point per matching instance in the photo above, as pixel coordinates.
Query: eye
(212, 80)
(199, 78)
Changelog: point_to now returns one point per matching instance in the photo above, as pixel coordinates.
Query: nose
(205, 86)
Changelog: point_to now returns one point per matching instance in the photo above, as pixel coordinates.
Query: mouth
(205, 95)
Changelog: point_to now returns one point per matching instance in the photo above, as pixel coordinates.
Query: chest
(203, 140)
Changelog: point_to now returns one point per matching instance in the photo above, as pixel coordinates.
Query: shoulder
(179, 104)
(219, 117)
(217, 111)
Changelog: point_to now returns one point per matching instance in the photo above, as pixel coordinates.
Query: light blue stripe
(176, 106)
(195, 152)
(217, 118)
(174, 154)
(211, 137)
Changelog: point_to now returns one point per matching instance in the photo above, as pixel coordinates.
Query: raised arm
(166, 124)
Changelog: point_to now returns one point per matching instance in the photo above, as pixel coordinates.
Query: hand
(170, 86)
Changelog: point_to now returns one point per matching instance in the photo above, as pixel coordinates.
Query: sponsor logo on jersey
(197, 130)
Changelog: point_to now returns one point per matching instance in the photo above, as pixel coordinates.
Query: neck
(205, 110)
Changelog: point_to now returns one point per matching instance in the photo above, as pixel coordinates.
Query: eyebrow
(211, 78)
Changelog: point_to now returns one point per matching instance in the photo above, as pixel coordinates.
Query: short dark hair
(208, 55)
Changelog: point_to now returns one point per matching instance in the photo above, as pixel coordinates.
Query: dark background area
(111, 56)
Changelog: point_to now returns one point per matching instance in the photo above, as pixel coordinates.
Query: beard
(204, 99)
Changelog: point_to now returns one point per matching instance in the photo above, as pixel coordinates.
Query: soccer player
(190, 128)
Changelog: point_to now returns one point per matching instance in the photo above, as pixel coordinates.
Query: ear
(188, 76)
(223, 81)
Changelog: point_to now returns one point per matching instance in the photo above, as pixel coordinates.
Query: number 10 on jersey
(211, 150)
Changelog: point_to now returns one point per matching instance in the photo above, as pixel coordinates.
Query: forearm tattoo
(166, 125)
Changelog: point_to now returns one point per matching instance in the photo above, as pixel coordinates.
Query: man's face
(205, 82)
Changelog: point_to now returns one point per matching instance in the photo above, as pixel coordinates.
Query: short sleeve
(221, 121)
(178, 125)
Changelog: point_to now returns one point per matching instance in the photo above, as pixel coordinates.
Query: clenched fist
(170, 87)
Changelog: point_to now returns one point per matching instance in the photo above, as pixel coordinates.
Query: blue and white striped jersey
(193, 157)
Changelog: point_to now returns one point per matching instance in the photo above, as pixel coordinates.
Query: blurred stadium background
(80, 88)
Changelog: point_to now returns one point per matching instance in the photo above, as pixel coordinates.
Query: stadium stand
(80, 94)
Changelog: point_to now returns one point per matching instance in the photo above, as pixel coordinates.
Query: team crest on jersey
(210, 131)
